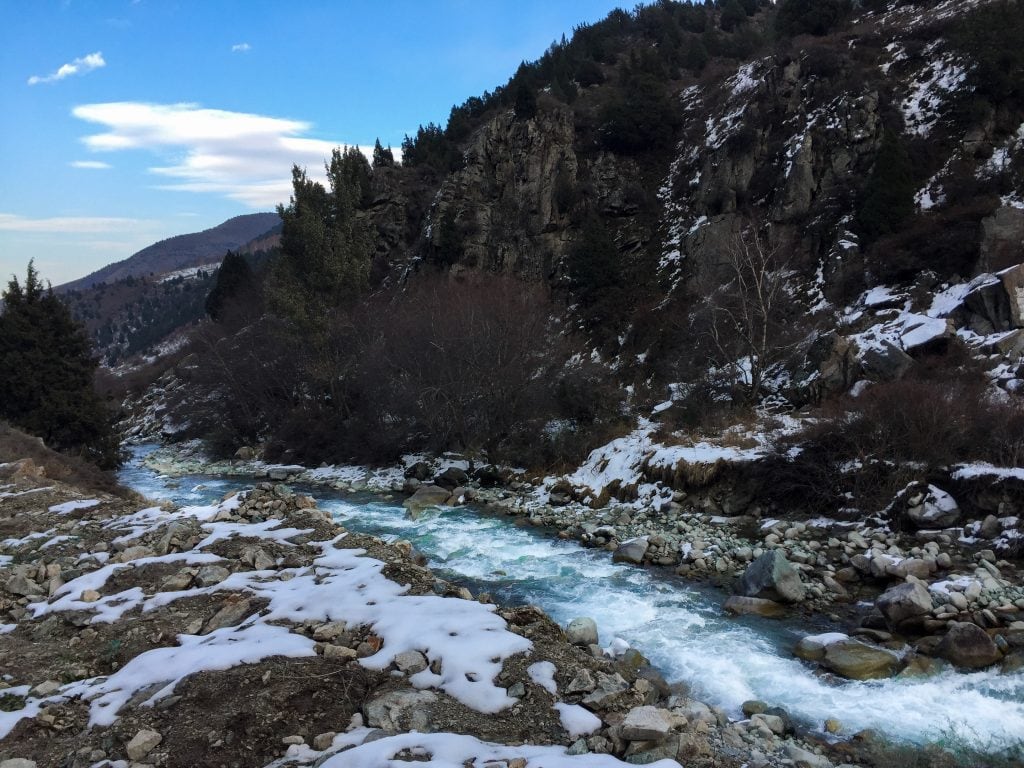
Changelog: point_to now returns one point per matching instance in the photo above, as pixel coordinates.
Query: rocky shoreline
(144, 635)
(912, 589)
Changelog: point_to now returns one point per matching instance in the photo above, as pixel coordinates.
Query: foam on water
(678, 626)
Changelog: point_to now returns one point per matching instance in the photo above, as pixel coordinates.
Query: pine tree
(47, 372)
(382, 158)
(234, 283)
(888, 198)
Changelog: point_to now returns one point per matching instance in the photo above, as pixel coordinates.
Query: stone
(904, 603)
(245, 453)
(23, 586)
(89, 596)
(608, 688)
(646, 724)
(329, 631)
(17, 762)
(803, 758)
(425, 496)
(631, 551)
(582, 631)
(46, 688)
(178, 581)
(231, 613)
(773, 577)
(295, 740)
(773, 723)
(756, 606)
(583, 682)
(133, 553)
(860, 661)
(209, 575)
(142, 743)
(411, 662)
(929, 507)
(339, 652)
(812, 647)
(402, 710)
(968, 646)
(323, 740)
(452, 478)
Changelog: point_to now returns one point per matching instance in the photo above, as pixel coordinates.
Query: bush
(894, 433)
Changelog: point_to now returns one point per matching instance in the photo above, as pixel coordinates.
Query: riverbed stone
(773, 577)
(631, 551)
(425, 496)
(859, 661)
(812, 647)
(582, 632)
(904, 603)
(646, 724)
(968, 646)
(755, 606)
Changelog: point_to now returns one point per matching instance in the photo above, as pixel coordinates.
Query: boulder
(245, 453)
(142, 743)
(418, 471)
(968, 646)
(451, 478)
(646, 724)
(772, 577)
(211, 574)
(631, 551)
(929, 507)
(582, 632)
(812, 647)
(754, 606)
(859, 661)
(904, 603)
(886, 361)
(23, 586)
(401, 710)
(425, 496)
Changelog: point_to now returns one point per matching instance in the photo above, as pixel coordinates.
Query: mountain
(183, 251)
(725, 207)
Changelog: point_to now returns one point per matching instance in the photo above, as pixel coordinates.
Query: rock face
(859, 661)
(425, 496)
(773, 577)
(969, 646)
(904, 603)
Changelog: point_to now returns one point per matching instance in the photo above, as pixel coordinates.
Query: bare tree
(746, 314)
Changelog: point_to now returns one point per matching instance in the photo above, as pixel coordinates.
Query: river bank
(258, 631)
(927, 696)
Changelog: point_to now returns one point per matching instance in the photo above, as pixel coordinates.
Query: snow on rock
(448, 750)
(576, 720)
(71, 506)
(931, 87)
(983, 469)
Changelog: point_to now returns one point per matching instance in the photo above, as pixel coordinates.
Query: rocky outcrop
(773, 577)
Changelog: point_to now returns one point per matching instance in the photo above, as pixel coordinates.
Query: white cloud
(77, 67)
(240, 48)
(90, 164)
(242, 156)
(12, 222)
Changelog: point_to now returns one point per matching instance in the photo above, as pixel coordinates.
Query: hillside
(182, 251)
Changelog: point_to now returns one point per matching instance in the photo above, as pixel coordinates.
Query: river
(678, 625)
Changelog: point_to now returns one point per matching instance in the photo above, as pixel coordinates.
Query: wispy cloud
(12, 222)
(77, 67)
(244, 157)
(90, 164)
(240, 48)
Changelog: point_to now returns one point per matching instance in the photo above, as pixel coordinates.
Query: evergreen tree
(234, 283)
(47, 372)
(888, 198)
(449, 247)
(325, 247)
(382, 158)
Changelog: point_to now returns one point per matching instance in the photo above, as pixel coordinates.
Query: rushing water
(680, 627)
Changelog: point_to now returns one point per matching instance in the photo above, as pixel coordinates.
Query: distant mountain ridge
(182, 251)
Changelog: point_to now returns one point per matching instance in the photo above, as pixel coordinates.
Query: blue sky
(128, 122)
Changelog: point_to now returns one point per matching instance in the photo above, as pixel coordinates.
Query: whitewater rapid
(680, 627)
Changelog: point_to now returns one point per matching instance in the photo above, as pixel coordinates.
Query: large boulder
(425, 496)
(905, 603)
(631, 551)
(754, 606)
(452, 478)
(773, 577)
(926, 506)
(968, 646)
(859, 661)
(812, 647)
(582, 632)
